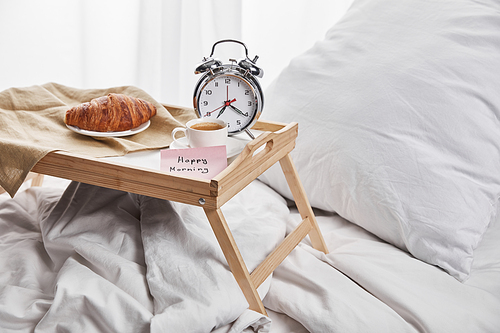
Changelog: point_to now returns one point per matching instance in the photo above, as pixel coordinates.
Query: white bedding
(398, 111)
(83, 269)
(99, 260)
(367, 285)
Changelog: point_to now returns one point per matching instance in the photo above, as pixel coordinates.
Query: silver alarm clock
(230, 92)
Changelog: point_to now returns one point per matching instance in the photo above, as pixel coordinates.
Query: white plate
(133, 131)
(233, 146)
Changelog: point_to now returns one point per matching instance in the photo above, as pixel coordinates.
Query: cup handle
(175, 131)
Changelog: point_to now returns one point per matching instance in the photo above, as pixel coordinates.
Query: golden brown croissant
(111, 113)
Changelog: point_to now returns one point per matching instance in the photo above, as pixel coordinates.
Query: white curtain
(152, 44)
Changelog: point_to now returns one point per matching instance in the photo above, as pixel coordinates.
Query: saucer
(233, 146)
(133, 131)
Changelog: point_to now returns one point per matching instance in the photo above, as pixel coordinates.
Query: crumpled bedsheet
(73, 264)
(100, 260)
(367, 285)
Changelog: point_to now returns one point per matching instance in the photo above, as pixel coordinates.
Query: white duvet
(367, 285)
(97, 260)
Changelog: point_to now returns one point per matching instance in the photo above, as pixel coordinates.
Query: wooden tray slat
(127, 178)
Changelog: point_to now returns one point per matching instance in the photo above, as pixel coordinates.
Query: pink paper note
(204, 162)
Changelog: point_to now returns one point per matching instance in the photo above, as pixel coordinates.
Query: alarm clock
(230, 92)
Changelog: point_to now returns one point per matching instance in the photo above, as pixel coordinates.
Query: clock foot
(249, 133)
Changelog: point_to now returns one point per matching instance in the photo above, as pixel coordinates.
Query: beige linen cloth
(32, 125)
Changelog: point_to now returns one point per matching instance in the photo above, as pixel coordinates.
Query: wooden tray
(273, 145)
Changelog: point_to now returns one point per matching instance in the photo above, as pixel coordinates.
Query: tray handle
(257, 156)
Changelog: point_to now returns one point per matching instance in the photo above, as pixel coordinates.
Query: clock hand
(222, 111)
(239, 111)
(216, 109)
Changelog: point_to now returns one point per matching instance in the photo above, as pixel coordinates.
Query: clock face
(230, 98)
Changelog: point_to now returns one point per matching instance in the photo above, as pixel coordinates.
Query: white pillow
(399, 132)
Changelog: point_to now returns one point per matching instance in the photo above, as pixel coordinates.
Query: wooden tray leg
(234, 259)
(305, 210)
(37, 180)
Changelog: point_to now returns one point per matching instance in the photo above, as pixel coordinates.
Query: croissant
(111, 113)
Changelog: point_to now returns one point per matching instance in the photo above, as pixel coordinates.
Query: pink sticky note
(204, 162)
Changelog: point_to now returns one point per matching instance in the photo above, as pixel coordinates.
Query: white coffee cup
(202, 132)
